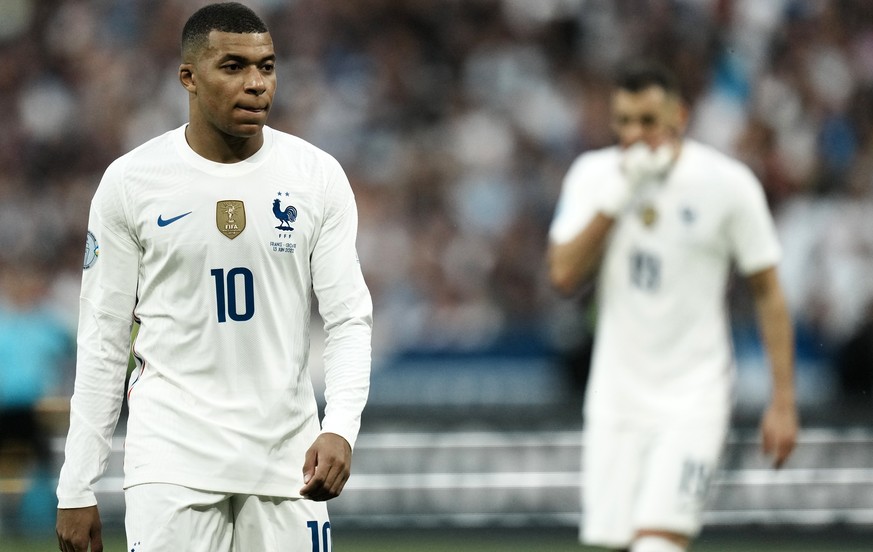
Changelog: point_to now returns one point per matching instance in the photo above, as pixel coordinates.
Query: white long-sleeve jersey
(217, 263)
(663, 345)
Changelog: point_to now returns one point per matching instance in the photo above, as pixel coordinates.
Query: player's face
(232, 81)
(650, 116)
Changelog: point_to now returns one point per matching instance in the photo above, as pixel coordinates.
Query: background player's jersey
(663, 340)
(217, 263)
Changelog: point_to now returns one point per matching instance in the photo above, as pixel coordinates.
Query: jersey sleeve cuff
(348, 433)
(82, 500)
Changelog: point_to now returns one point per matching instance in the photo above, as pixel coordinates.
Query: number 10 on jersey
(227, 298)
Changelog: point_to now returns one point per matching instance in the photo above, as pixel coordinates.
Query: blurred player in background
(660, 219)
(212, 237)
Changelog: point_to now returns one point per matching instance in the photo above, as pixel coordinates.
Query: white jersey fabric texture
(663, 347)
(218, 264)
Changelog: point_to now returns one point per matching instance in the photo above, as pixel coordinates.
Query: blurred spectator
(34, 348)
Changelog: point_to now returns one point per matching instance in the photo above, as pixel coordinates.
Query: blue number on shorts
(225, 294)
(695, 479)
(325, 536)
(645, 270)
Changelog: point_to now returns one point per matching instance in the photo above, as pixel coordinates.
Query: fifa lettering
(226, 294)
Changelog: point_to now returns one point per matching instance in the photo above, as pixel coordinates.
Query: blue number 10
(325, 536)
(225, 294)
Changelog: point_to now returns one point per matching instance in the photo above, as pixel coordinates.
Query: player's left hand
(327, 467)
(779, 428)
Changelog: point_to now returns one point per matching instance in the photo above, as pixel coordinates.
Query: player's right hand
(77, 528)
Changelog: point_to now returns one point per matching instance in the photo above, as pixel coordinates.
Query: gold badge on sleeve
(230, 217)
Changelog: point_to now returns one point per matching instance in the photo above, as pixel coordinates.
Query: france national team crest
(285, 214)
(688, 215)
(230, 217)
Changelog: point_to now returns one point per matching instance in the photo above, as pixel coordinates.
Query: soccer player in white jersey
(660, 219)
(213, 237)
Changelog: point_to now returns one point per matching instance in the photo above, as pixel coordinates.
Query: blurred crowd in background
(455, 121)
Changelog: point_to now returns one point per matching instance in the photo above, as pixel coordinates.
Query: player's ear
(678, 117)
(186, 77)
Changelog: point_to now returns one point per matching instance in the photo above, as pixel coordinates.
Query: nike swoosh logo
(163, 222)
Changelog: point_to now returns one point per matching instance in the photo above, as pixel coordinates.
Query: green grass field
(530, 540)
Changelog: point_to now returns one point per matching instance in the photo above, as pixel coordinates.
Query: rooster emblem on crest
(285, 217)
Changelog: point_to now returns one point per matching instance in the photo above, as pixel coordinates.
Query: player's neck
(220, 147)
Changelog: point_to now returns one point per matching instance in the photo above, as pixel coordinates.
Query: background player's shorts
(163, 517)
(646, 478)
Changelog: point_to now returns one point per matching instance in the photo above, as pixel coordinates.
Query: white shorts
(643, 478)
(163, 517)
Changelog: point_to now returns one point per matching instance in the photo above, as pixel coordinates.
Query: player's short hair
(226, 17)
(639, 75)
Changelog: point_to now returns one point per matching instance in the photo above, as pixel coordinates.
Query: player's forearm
(778, 337)
(96, 403)
(347, 311)
(347, 376)
(778, 340)
(573, 262)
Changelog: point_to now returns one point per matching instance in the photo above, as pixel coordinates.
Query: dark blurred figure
(855, 367)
